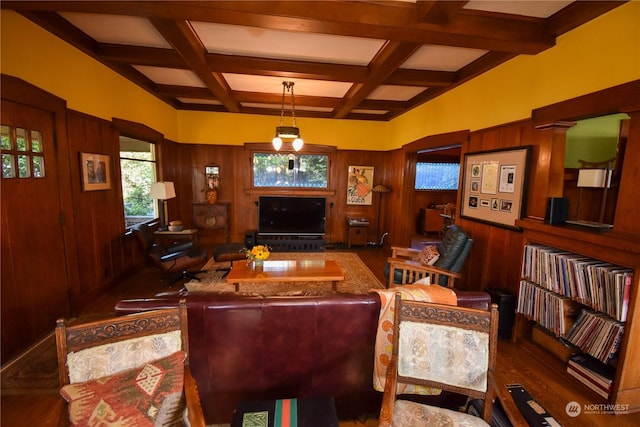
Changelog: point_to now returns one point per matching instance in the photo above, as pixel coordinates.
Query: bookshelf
(574, 281)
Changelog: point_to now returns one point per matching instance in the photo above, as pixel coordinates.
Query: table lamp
(163, 191)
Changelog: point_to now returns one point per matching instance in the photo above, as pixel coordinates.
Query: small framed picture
(96, 171)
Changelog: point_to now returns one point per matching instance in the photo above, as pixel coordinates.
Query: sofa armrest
(473, 299)
(137, 305)
(400, 252)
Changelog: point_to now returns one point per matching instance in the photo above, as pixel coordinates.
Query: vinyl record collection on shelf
(581, 300)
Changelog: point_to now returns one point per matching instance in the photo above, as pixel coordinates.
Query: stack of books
(591, 372)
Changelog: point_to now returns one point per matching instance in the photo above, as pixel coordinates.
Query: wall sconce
(163, 191)
(289, 132)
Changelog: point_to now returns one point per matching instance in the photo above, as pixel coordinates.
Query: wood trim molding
(616, 99)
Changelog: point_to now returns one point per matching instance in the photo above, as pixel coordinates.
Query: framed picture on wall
(95, 170)
(494, 186)
(359, 184)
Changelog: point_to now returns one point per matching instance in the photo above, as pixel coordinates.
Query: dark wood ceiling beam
(437, 12)
(387, 60)
(156, 57)
(180, 36)
(406, 77)
(577, 13)
(479, 30)
(468, 28)
(276, 99)
(286, 68)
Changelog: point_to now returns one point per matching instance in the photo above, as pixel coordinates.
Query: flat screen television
(302, 216)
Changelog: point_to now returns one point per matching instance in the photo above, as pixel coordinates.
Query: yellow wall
(602, 53)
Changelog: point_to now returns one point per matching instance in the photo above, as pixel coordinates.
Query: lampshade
(380, 189)
(163, 190)
(288, 132)
(594, 178)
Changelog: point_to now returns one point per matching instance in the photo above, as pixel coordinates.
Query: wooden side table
(189, 233)
(358, 230)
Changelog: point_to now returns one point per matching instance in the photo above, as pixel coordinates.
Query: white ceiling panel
(442, 58)
(170, 76)
(265, 43)
(118, 29)
(395, 93)
(534, 8)
(266, 84)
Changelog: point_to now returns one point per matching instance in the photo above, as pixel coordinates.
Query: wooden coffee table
(286, 271)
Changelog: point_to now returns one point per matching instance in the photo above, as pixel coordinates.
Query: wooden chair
(454, 248)
(404, 269)
(110, 349)
(432, 346)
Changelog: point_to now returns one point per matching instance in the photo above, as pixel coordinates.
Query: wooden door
(34, 276)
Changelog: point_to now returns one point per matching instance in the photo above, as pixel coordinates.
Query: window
(138, 169)
(22, 153)
(437, 176)
(290, 170)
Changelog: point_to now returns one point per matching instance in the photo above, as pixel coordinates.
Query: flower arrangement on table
(258, 254)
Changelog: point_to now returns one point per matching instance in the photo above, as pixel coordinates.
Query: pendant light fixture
(288, 132)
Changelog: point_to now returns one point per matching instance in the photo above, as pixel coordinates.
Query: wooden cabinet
(433, 221)
(212, 217)
(611, 247)
(358, 231)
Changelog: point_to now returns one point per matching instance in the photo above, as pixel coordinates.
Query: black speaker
(506, 302)
(250, 238)
(557, 210)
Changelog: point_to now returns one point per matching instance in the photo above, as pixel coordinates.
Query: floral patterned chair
(445, 347)
(128, 370)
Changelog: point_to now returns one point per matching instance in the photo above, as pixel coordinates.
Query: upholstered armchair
(444, 347)
(406, 265)
(131, 369)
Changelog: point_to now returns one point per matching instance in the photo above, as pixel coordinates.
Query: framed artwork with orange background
(359, 184)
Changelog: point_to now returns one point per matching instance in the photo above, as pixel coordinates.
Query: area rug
(358, 278)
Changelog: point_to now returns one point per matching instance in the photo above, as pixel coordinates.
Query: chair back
(143, 233)
(108, 346)
(448, 347)
(454, 250)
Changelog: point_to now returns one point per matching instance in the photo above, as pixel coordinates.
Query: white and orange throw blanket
(419, 291)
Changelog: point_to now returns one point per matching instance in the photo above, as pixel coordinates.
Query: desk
(189, 233)
(310, 412)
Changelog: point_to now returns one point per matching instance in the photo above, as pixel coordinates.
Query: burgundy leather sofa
(245, 348)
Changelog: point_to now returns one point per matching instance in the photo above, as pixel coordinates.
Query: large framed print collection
(494, 186)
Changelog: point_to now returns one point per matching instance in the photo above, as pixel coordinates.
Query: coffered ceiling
(370, 60)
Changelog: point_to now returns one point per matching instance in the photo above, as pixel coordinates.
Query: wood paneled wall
(98, 252)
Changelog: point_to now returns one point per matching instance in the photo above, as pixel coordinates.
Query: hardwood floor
(552, 388)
